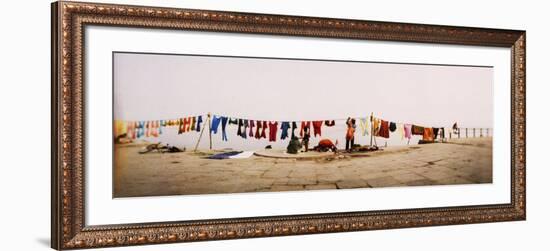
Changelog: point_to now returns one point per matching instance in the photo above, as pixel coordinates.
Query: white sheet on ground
(243, 155)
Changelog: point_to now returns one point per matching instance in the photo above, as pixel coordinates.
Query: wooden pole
(209, 131)
(200, 137)
(459, 133)
(487, 132)
(466, 132)
(371, 128)
(480, 132)
(474, 133)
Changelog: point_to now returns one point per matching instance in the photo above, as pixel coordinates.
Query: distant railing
(471, 132)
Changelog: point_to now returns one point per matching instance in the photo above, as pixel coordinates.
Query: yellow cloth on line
(120, 127)
(364, 123)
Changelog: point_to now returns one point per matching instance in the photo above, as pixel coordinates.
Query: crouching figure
(326, 145)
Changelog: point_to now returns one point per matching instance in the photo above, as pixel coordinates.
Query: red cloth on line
(317, 127)
(258, 128)
(264, 126)
(304, 125)
(273, 131)
(417, 130)
(384, 131)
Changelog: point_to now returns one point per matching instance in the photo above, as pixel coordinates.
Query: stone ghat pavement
(460, 161)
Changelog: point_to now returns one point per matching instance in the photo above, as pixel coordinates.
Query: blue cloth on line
(199, 121)
(161, 124)
(215, 123)
(284, 128)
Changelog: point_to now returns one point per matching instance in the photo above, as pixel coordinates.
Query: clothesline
(279, 120)
(251, 128)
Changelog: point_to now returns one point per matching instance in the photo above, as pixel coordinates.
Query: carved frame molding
(68, 226)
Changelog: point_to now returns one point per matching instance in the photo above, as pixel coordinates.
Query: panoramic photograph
(212, 124)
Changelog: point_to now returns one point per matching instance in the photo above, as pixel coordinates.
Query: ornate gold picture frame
(69, 230)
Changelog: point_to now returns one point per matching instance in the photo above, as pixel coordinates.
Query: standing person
(350, 134)
(305, 138)
(455, 128)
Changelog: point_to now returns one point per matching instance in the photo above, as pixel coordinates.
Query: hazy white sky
(150, 87)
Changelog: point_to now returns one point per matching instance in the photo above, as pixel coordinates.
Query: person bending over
(326, 145)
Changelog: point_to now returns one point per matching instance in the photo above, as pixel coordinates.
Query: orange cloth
(327, 143)
(350, 133)
(428, 134)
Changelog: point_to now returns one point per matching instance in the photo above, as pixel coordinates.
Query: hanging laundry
(120, 128)
(130, 131)
(150, 128)
(363, 122)
(147, 131)
(258, 128)
(215, 123)
(162, 123)
(330, 123)
(154, 129)
(384, 131)
(284, 130)
(408, 130)
(141, 129)
(245, 125)
(264, 126)
(180, 126)
(375, 126)
(157, 128)
(224, 124)
(428, 134)
(304, 125)
(393, 127)
(417, 130)
(199, 121)
(136, 129)
(186, 124)
(436, 132)
(294, 126)
(251, 124)
(317, 127)
(401, 131)
(193, 121)
(273, 131)
(239, 129)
